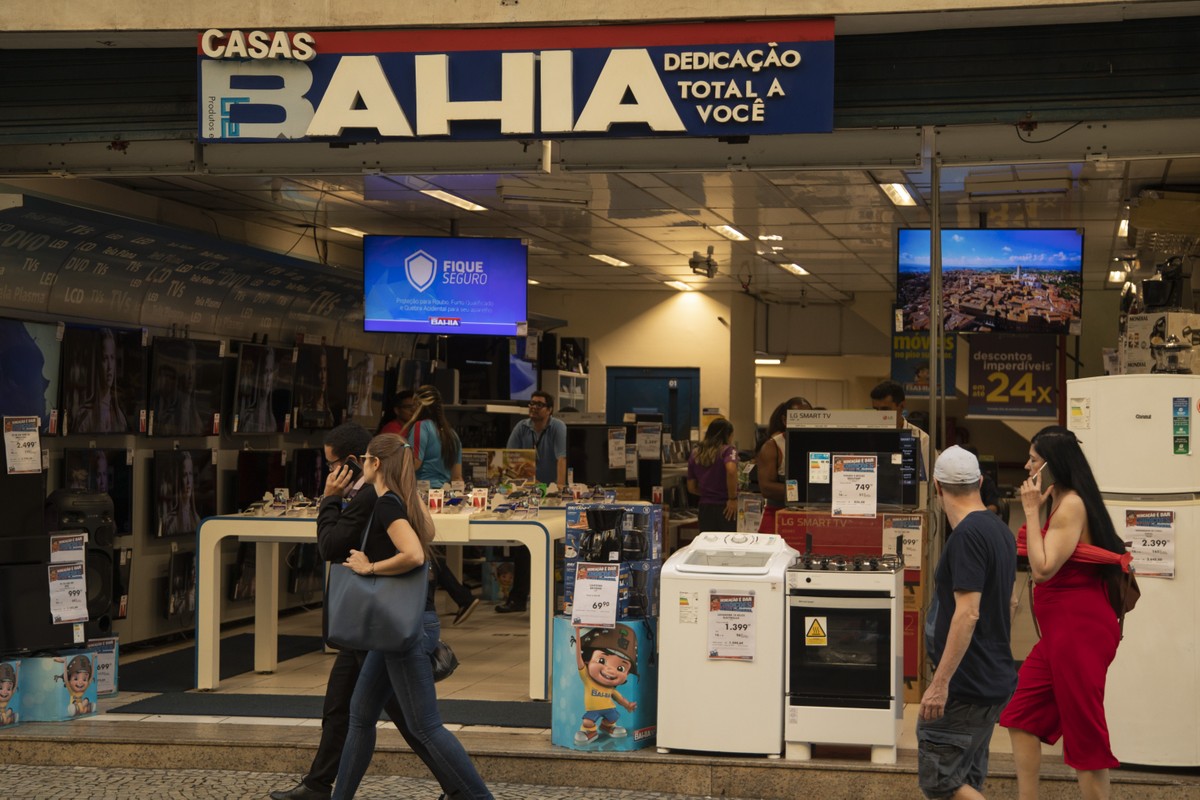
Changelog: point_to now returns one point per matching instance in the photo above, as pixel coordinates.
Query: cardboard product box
(637, 588)
(846, 536)
(10, 693)
(496, 576)
(642, 524)
(60, 687)
(107, 651)
(914, 597)
(1141, 329)
(631, 670)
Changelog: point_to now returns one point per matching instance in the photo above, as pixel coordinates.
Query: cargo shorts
(952, 751)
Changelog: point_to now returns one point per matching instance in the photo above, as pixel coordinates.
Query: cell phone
(1047, 476)
(354, 467)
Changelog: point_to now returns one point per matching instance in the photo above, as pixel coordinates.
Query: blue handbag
(376, 612)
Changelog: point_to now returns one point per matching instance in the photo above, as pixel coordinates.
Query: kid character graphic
(78, 678)
(605, 658)
(8, 685)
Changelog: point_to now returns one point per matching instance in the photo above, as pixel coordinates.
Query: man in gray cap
(967, 632)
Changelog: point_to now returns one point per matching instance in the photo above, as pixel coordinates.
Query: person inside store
(546, 435)
(1072, 557)
(967, 630)
(771, 462)
(101, 412)
(400, 412)
(402, 526)
(713, 476)
(343, 514)
(889, 396)
(438, 454)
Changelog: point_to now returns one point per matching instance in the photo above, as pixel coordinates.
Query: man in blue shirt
(967, 634)
(546, 435)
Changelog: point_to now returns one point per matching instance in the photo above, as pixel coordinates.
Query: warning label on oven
(816, 632)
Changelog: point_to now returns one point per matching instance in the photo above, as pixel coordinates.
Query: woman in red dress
(1060, 690)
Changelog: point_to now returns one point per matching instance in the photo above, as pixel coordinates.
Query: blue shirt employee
(546, 435)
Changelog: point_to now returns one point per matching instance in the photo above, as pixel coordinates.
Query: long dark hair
(715, 439)
(1059, 448)
(777, 422)
(389, 413)
(429, 406)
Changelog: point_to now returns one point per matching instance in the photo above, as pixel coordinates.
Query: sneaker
(615, 731)
(465, 611)
(585, 737)
(510, 608)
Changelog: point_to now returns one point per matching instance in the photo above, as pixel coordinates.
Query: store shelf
(569, 389)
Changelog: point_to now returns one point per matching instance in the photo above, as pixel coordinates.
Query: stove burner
(842, 563)
(889, 563)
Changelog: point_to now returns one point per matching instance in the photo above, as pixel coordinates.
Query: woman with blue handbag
(380, 608)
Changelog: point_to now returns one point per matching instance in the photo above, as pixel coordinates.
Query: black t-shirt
(980, 556)
(388, 509)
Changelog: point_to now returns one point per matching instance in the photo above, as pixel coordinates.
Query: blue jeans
(410, 676)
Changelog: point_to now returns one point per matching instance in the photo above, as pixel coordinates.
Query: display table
(538, 535)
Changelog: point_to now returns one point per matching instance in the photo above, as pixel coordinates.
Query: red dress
(1060, 688)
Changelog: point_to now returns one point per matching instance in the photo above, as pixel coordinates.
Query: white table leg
(208, 605)
(266, 607)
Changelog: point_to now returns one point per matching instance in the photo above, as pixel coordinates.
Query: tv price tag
(22, 445)
(68, 593)
(595, 601)
(731, 626)
(855, 480)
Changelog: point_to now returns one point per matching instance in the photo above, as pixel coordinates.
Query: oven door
(851, 665)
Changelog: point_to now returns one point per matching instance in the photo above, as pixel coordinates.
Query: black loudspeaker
(25, 625)
(77, 510)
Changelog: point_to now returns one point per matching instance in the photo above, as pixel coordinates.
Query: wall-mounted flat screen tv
(184, 491)
(309, 471)
(29, 355)
(258, 472)
(263, 403)
(102, 382)
(108, 470)
(995, 280)
(485, 366)
(319, 386)
(187, 380)
(364, 388)
(420, 284)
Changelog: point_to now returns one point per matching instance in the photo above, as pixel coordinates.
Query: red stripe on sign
(571, 38)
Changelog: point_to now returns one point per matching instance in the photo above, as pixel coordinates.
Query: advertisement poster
(910, 363)
(595, 599)
(855, 485)
(731, 629)
(1013, 376)
(1150, 537)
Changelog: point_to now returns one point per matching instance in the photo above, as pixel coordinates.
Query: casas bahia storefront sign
(702, 79)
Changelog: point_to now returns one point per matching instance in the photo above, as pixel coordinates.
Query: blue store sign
(704, 79)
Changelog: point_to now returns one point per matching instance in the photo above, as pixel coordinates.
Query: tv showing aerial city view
(994, 280)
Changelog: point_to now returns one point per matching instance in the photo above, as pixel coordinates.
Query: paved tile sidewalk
(102, 783)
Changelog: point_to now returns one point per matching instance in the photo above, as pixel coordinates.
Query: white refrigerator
(1137, 432)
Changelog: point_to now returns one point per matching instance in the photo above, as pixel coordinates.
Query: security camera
(703, 265)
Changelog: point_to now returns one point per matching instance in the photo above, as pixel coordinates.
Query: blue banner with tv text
(910, 363)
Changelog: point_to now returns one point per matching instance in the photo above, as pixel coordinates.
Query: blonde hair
(400, 476)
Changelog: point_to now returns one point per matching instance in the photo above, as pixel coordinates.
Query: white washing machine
(721, 644)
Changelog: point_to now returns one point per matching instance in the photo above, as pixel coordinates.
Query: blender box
(10, 693)
(59, 687)
(612, 703)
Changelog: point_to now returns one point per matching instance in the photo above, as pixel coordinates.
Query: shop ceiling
(812, 201)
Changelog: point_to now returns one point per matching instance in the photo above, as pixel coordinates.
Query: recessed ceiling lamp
(898, 193)
(348, 231)
(616, 262)
(795, 269)
(532, 282)
(731, 233)
(680, 285)
(767, 362)
(452, 199)
(1123, 228)
(770, 237)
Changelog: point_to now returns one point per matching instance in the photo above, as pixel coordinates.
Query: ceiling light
(1116, 277)
(770, 237)
(1123, 228)
(616, 262)
(348, 231)
(768, 362)
(795, 269)
(731, 233)
(680, 285)
(532, 282)
(898, 193)
(452, 199)
(776, 248)
(545, 190)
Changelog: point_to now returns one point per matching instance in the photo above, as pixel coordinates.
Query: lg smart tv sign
(418, 284)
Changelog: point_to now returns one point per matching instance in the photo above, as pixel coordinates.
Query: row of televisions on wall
(183, 483)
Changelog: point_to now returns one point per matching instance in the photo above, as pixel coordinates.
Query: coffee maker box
(1142, 329)
(10, 693)
(586, 713)
(59, 687)
(640, 530)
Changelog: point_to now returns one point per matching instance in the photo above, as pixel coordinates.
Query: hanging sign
(731, 627)
(910, 363)
(1013, 376)
(610, 81)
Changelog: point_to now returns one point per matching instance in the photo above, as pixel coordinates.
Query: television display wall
(29, 366)
(188, 377)
(309, 470)
(994, 280)
(184, 491)
(107, 470)
(364, 388)
(439, 285)
(102, 383)
(259, 471)
(263, 403)
(319, 386)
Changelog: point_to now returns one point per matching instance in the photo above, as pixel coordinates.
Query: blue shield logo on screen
(420, 268)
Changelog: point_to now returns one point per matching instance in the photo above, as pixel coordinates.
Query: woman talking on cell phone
(1072, 557)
